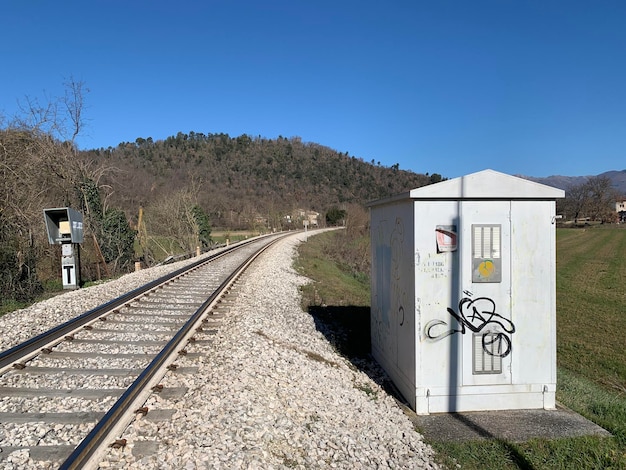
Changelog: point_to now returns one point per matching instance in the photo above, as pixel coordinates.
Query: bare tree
(36, 117)
(172, 217)
(602, 197)
(574, 203)
(74, 103)
(595, 198)
(40, 167)
(59, 118)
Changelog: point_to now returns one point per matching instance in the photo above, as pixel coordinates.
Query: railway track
(68, 394)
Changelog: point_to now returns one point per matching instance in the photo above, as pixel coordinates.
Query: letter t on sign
(71, 276)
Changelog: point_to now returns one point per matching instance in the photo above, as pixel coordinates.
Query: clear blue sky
(531, 87)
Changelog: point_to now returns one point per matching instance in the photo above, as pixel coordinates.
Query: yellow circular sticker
(486, 268)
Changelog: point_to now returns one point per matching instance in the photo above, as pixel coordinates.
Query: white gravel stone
(271, 392)
(26, 323)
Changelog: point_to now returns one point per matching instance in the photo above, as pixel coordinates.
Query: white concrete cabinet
(463, 310)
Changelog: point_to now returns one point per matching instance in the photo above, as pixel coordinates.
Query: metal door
(484, 309)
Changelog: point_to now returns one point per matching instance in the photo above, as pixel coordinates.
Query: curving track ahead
(74, 388)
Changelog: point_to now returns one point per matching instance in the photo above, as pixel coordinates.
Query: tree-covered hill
(244, 177)
(146, 200)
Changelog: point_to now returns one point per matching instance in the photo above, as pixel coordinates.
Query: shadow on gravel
(347, 329)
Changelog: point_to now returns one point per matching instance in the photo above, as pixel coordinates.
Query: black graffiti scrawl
(477, 315)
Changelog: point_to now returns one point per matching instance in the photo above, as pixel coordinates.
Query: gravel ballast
(271, 392)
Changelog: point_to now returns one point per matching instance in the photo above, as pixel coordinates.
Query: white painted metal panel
(463, 293)
(436, 290)
(485, 307)
(392, 316)
(533, 291)
(486, 400)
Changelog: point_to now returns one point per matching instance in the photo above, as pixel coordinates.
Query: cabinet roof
(485, 184)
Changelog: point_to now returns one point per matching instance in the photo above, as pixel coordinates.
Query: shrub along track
(67, 393)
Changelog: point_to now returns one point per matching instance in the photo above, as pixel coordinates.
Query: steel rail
(86, 454)
(33, 346)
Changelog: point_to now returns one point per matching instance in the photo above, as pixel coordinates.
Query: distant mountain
(618, 180)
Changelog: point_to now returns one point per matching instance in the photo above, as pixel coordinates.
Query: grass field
(591, 345)
(591, 304)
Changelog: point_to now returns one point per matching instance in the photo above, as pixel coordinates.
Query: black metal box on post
(65, 227)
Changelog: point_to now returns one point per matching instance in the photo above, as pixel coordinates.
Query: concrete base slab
(512, 425)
